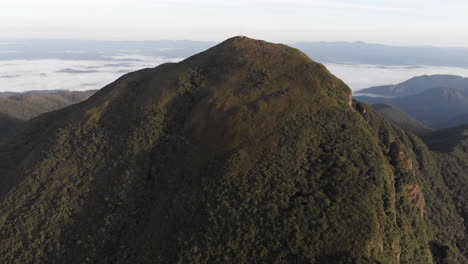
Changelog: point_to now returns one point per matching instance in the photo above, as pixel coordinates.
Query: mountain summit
(249, 152)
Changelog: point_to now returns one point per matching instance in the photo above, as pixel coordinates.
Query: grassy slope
(248, 152)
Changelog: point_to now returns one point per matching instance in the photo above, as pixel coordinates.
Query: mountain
(325, 52)
(451, 148)
(417, 85)
(248, 152)
(378, 54)
(454, 121)
(27, 105)
(97, 50)
(400, 118)
(432, 107)
(7, 94)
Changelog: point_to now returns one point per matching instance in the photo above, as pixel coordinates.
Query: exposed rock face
(375, 247)
(399, 159)
(396, 251)
(414, 193)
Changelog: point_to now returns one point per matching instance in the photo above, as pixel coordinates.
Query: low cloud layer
(56, 74)
(28, 73)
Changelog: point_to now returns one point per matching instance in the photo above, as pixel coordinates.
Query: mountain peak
(228, 156)
(242, 48)
(243, 42)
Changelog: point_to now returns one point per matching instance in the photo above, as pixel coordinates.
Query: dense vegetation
(246, 153)
(451, 147)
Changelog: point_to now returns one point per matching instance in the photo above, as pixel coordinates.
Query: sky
(394, 22)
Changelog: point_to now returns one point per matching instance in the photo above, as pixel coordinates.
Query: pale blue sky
(400, 22)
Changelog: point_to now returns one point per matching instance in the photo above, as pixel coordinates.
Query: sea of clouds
(74, 75)
(80, 75)
(87, 65)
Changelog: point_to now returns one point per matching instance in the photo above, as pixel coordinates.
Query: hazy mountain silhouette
(401, 119)
(27, 105)
(432, 107)
(417, 85)
(453, 122)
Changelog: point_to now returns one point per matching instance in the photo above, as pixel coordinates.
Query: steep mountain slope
(24, 106)
(451, 146)
(418, 84)
(401, 119)
(432, 107)
(248, 152)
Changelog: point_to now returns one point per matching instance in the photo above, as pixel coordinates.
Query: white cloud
(54, 74)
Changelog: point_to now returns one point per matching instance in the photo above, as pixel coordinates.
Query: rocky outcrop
(399, 159)
(396, 250)
(414, 193)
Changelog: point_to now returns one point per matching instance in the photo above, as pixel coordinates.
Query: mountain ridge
(418, 85)
(401, 119)
(432, 106)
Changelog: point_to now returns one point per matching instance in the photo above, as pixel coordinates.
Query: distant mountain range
(8, 93)
(417, 85)
(16, 108)
(97, 49)
(325, 52)
(439, 101)
(24, 106)
(401, 119)
(378, 54)
(455, 121)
